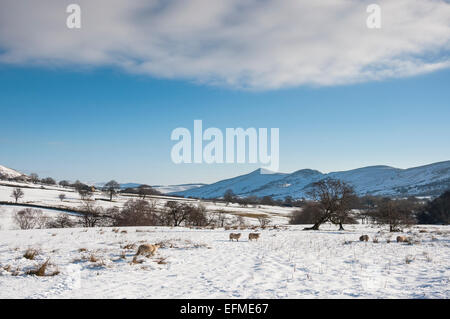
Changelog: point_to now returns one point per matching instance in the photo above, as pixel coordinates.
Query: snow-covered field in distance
(34, 194)
(284, 263)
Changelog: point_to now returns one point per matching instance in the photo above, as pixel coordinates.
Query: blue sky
(101, 124)
(100, 102)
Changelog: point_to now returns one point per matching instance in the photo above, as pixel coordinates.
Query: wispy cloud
(251, 44)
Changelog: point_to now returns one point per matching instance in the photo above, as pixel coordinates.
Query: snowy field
(48, 196)
(195, 263)
(202, 263)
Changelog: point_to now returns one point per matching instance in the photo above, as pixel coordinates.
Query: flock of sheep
(251, 236)
(400, 239)
(149, 249)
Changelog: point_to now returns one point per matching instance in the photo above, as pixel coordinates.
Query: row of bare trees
(135, 212)
(30, 218)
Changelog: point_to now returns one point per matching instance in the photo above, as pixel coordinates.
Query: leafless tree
(48, 181)
(264, 221)
(85, 193)
(334, 198)
(28, 218)
(62, 197)
(220, 218)
(146, 190)
(176, 213)
(197, 215)
(64, 183)
(229, 197)
(395, 213)
(92, 215)
(34, 178)
(136, 213)
(62, 221)
(111, 189)
(17, 194)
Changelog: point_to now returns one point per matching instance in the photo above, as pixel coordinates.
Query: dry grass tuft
(136, 261)
(409, 259)
(30, 253)
(129, 246)
(40, 271)
(161, 261)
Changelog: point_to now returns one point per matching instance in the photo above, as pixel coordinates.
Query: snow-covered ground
(48, 196)
(284, 263)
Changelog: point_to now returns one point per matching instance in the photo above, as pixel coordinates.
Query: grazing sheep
(402, 239)
(253, 236)
(147, 249)
(364, 238)
(235, 236)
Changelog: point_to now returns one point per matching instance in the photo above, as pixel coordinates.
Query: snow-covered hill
(428, 180)
(7, 173)
(164, 189)
(243, 184)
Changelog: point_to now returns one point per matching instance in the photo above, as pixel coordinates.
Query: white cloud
(256, 44)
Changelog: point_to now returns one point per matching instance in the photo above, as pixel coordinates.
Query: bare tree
(34, 178)
(136, 213)
(64, 183)
(146, 190)
(17, 194)
(92, 215)
(264, 221)
(48, 181)
(229, 196)
(29, 218)
(334, 198)
(196, 215)
(221, 218)
(62, 197)
(111, 189)
(395, 213)
(83, 190)
(62, 221)
(176, 213)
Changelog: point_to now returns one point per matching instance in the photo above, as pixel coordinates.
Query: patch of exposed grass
(40, 271)
(30, 253)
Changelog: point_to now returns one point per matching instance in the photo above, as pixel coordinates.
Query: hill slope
(7, 173)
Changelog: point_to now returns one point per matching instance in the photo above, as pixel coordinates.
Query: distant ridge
(428, 180)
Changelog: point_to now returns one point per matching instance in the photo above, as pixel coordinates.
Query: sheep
(147, 249)
(402, 239)
(253, 236)
(235, 236)
(364, 238)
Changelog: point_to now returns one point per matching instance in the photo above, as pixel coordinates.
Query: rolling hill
(428, 180)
